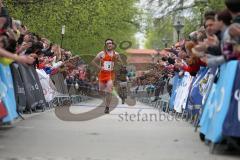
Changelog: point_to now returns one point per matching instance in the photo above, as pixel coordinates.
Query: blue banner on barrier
(3, 92)
(231, 126)
(204, 122)
(196, 93)
(176, 81)
(181, 98)
(9, 98)
(209, 76)
(195, 96)
(217, 103)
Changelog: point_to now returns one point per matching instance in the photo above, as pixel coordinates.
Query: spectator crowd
(213, 44)
(60, 69)
(203, 72)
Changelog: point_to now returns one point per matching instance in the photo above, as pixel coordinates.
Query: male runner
(108, 57)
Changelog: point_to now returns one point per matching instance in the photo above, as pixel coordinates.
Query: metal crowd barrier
(69, 94)
(162, 104)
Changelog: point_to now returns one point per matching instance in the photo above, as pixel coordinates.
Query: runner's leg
(102, 87)
(109, 88)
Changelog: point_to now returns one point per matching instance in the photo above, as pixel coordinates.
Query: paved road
(128, 133)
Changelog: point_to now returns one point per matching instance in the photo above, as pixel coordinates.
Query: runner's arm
(95, 62)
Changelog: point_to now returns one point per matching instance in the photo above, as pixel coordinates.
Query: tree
(162, 28)
(164, 25)
(88, 23)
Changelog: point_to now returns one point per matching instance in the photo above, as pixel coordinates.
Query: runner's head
(109, 44)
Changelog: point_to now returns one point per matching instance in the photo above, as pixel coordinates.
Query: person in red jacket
(194, 67)
(193, 62)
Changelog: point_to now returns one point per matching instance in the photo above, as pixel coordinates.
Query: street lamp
(62, 33)
(202, 4)
(178, 26)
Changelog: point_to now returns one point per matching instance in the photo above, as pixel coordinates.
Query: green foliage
(88, 22)
(164, 26)
(155, 34)
(216, 4)
(189, 27)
